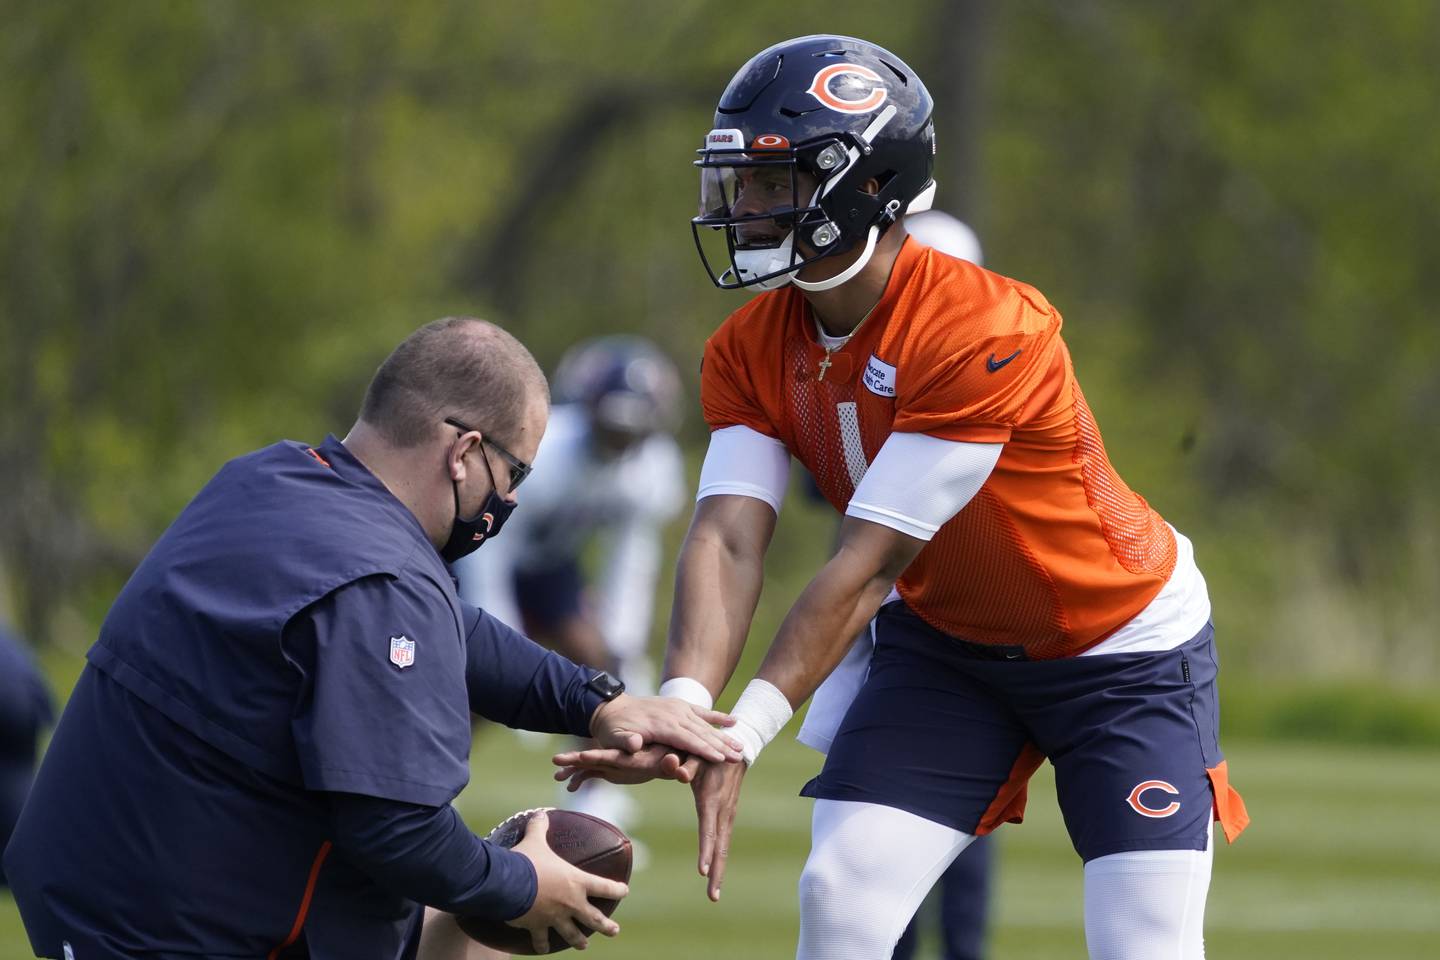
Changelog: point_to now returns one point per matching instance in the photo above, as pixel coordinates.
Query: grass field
(1342, 860)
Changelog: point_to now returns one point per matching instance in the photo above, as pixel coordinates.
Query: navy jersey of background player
(25, 711)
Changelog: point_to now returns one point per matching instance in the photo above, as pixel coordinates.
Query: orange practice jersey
(1055, 552)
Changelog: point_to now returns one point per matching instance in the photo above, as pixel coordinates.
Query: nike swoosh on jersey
(992, 364)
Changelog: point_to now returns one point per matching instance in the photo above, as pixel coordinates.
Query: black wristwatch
(605, 685)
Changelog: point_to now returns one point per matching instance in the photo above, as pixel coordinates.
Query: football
(588, 842)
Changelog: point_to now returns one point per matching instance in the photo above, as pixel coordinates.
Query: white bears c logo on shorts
(1138, 804)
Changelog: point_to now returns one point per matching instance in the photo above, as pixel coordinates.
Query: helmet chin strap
(920, 203)
(846, 274)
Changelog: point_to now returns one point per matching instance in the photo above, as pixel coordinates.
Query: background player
(25, 711)
(1042, 608)
(608, 477)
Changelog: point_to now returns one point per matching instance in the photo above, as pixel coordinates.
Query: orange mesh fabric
(1140, 540)
(1055, 552)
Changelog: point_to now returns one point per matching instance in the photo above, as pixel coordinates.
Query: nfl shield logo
(402, 651)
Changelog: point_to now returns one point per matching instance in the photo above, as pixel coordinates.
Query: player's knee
(823, 883)
(1145, 904)
(841, 915)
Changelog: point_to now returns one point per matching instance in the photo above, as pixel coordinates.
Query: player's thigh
(1136, 750)
(442, 939)
(924, 737)
(550, 595)
(869, 867)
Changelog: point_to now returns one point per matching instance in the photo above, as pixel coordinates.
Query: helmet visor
(751, 203)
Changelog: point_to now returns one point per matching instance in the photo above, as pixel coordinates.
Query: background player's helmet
(628, 385)
(936, 228)
(840, 109)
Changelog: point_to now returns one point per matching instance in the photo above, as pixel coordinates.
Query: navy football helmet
(628, 385)
(798, 133)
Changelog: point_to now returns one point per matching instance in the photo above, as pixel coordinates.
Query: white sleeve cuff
(918, 482)
(891, 519)
(746, 463)
(690, 690)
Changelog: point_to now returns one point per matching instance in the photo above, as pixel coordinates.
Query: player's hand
(630, 723)
(654, 762)
(717, 798)
(562, 893)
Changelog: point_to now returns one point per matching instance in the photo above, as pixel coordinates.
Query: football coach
(260, 755)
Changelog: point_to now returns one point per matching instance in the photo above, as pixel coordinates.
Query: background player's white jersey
(574, 495)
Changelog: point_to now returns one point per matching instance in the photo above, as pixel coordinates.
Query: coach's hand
(654, 762)
(717, 798)
(562, 893)
(630, 723)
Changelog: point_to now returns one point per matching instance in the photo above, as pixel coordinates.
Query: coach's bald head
(462, 369)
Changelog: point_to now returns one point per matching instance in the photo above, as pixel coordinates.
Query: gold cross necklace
(841, 342)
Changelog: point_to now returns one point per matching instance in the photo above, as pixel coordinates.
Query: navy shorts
(550, 596)
(952, 731)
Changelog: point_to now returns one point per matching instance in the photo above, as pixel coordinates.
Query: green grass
(1342, 861)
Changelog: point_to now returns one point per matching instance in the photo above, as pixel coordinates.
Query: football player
(26, 711)
(609, 474)
(1024, 602)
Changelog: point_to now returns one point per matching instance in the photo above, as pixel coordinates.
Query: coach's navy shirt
(293, 640)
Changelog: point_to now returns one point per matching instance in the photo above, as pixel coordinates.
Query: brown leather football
(588, 842)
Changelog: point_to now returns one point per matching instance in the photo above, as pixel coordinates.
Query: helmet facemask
(783, 229)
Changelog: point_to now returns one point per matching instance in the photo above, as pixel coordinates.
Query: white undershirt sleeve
(746, 463)
(917, 482)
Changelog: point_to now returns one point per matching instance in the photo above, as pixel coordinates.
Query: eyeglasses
(519, 469)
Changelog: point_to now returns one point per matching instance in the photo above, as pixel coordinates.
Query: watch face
(606, 685)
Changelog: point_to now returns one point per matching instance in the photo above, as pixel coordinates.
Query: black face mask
(467, 534)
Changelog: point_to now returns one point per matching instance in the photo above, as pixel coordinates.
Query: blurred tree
(215, 217)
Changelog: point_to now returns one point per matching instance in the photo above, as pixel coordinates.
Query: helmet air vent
(899, 74)
(746, 88)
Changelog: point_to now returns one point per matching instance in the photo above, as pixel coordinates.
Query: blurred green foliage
(217, 217)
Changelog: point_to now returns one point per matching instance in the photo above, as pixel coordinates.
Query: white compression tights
(1147, 903)
(870, 866)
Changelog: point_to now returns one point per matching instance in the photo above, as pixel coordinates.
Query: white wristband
(688, 689)
(760, 713)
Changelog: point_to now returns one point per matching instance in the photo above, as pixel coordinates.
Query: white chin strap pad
(845, 274)
(757, 263)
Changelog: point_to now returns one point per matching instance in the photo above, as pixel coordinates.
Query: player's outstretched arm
(836, 605)
(813, 639)
(717, 585)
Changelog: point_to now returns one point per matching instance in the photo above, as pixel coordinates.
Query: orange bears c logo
(489, 519)
(770, 141)
(848, 88)
(1137, 802)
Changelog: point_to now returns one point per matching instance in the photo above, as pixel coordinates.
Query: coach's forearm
(511, 679)
(717, 586)
(427, 854)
